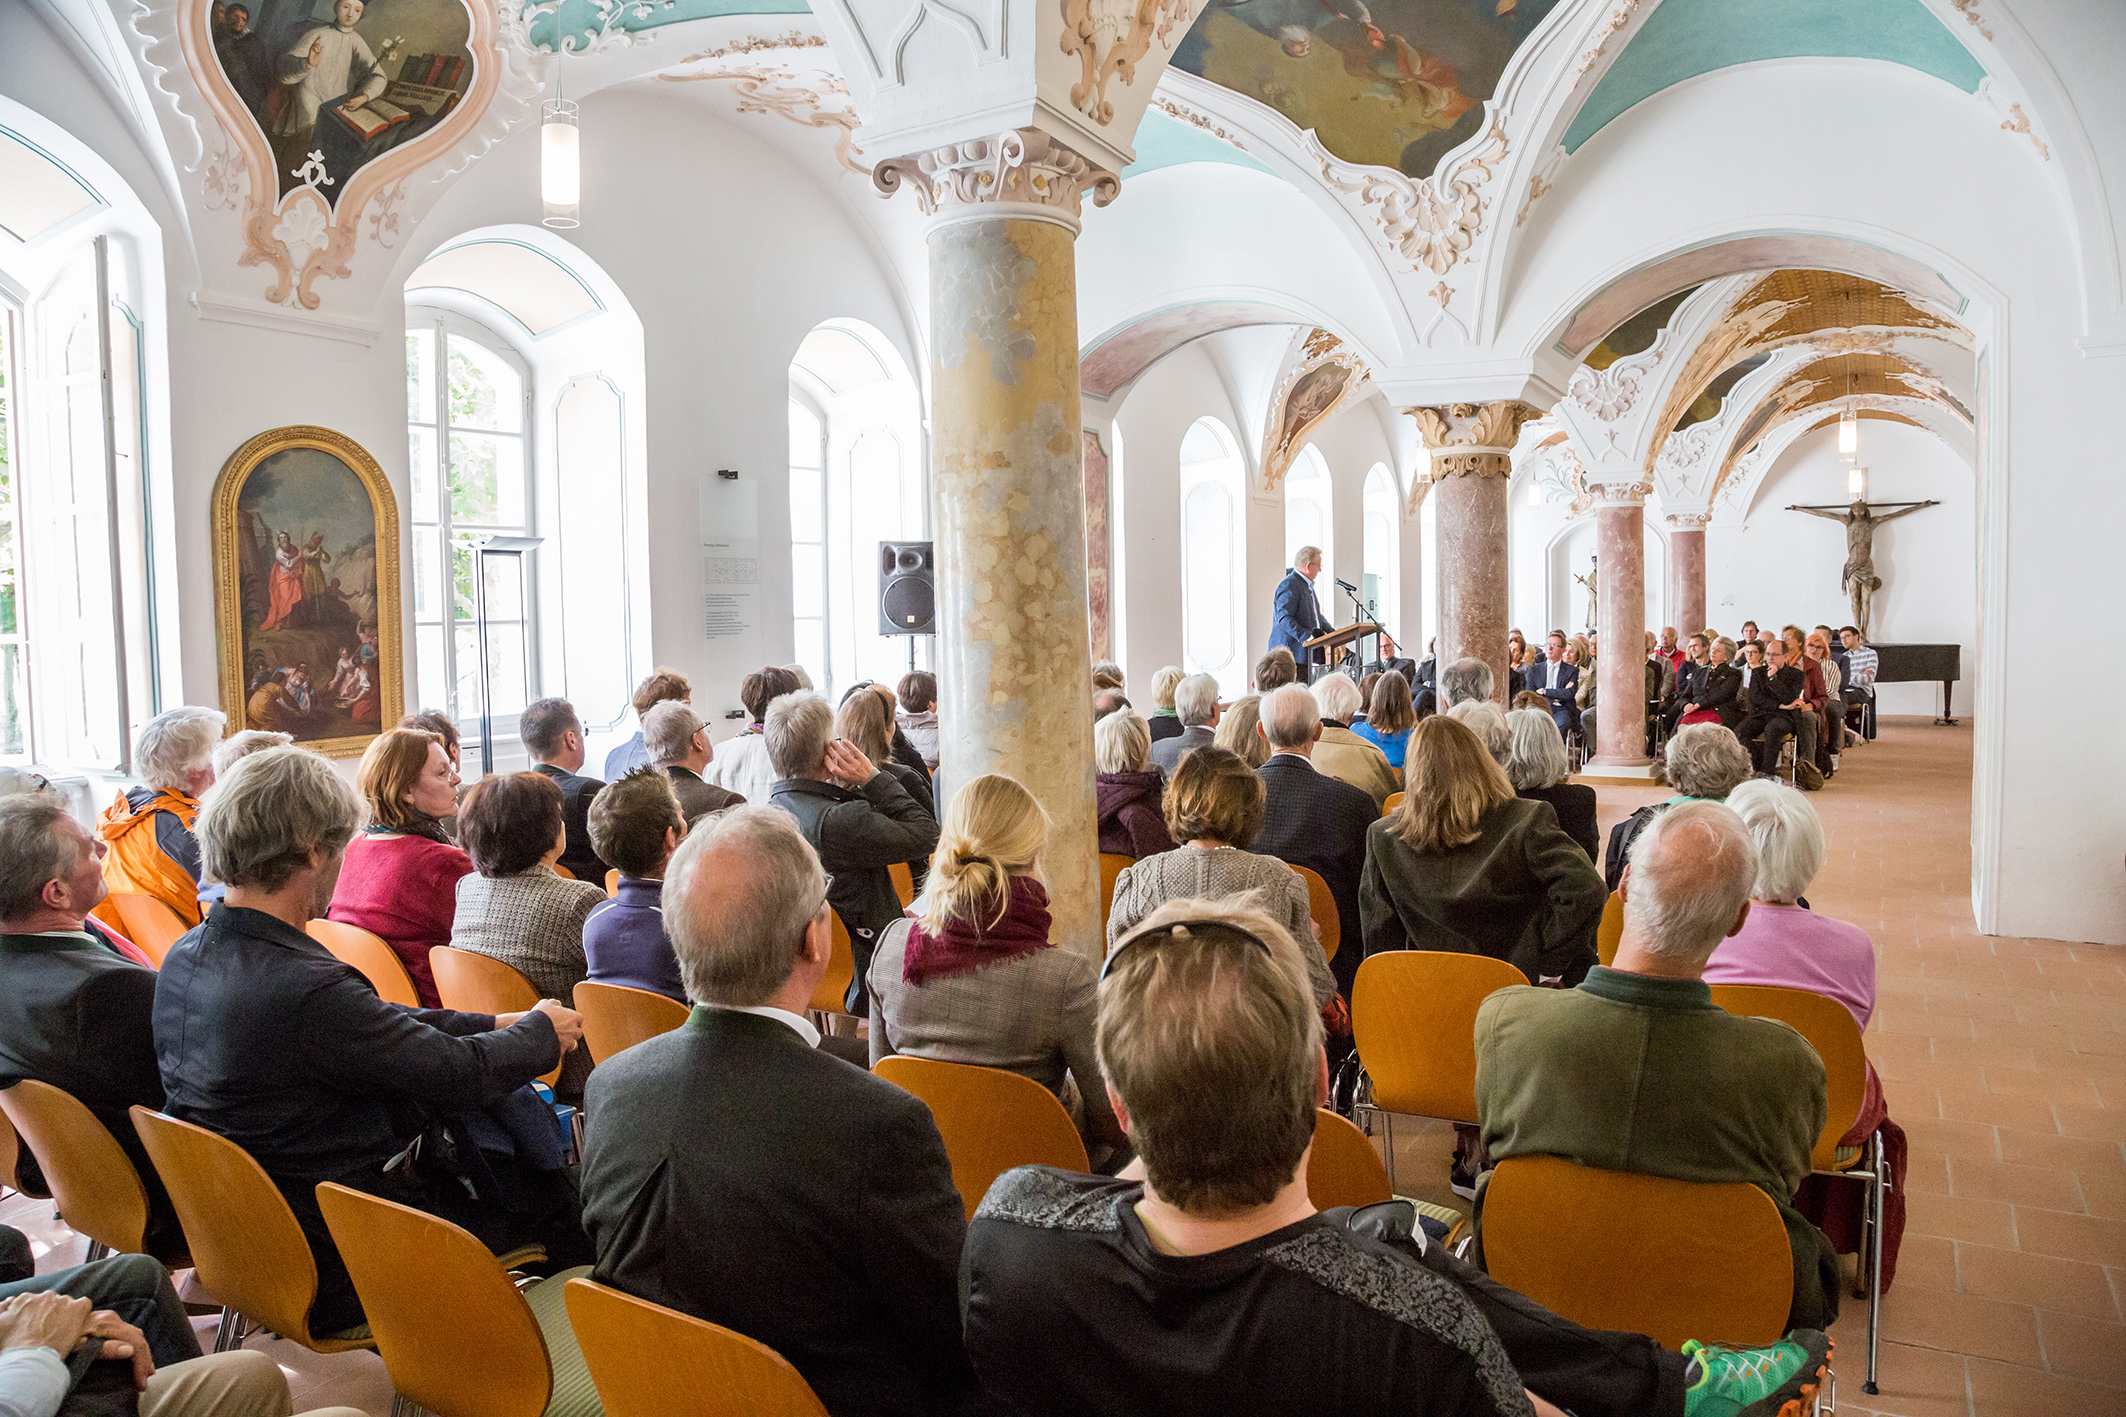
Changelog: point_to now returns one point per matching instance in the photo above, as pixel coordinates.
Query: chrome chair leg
(225, 1337)
(1881, 1188)
(97, 1250)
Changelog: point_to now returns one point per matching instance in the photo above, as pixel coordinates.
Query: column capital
(1023, 173)
(1688, 521)
(1618, 491)
(1471, 439)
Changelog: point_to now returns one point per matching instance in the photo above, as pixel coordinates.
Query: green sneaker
(1778, 1380)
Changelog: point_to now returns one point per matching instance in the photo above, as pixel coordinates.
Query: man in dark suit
(1557, 682)
(677, 742)
(73, 1013)
(1296, 616)
(734, 1172)
(553, 735)
(1777, 701)
(1196, 704)
(1313, 820)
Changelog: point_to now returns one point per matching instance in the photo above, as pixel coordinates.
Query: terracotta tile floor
(2004, 1060)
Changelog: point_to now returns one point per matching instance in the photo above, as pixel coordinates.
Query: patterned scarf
(965, 945)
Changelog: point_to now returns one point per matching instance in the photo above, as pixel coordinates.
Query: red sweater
(404, 889)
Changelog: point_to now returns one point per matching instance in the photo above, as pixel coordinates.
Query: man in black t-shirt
(1209, 1283)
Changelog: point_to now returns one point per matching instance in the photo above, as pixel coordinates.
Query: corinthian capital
(1022, 173)
(1688, 521)
(1473, 439)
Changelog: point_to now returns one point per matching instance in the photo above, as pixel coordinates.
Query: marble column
(1007, 487)
(1686, 575)
(1472, 458)
(1620, 659)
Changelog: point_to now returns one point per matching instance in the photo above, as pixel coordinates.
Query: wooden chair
(456, 1336)
(831, 994)
(1112, 864)
(1611, 930)
(1640, 1254)
(650, 1361)
(562, 871)
(1394, 800)
(93, 1182)
(991, 1121)
(903, 882)
(616, 1017)
(475, 984)
(1413, 1018)
(1322, 906)
(246, 1246)
(148, 923)
(368, 954)
(1343, 1168)
(1832, 1032)
(612, 883)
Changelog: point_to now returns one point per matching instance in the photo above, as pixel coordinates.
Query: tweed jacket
(1192, 873)
(532, 922)
(1344, 755)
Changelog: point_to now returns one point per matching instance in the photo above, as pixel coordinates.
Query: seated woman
(512, 907)
(1128, 788)
(1389, 718)
(1165, 721)
(1719, 696)
(148, 829)
(1703, 762)
(866, 719)
(266, 1039)
(973, 977)
(1537, 767)
(1214, 809)
(1238, 731)
(400, 882)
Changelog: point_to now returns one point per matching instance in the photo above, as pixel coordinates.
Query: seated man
(1462, 681)
(636, 825)
(1861, 666)
(678, 745)
(1558, 683)
(1311, 819)
(1778, 700)
(1196, 706)
(73, 1013)
(149, 828)
(553, 736)
(266, 1039)
(1342, 754)
(1203, 1280)
(734, 1172)
(1638, 1070)
(664, 686)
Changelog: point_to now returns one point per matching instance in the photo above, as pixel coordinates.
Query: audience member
(1703, 762)
(857, 816)
(1717, 697)
(1128, 788)
(971, 975)
(1342, 754)
(1366, 683)
(148, 829)
(636, 823)
(1671, 651)
(741, 764)
(243, 744)
(1165, 721)
(1862, 665)
(1482, 717)
(1276, 669)
(1237, 730)
(1779, 709)
(1464, 681)
(1389, 718)
(1313, 820)
(512, 906)
(1690, 680)
(917, 716)
(1196, 704)
(867, 722)
(900, 750)
(804, 679)
(265, 1038)
(439, 723)
(400, 880)
(735, 1173)
(1690, 1091)
(677, 743)
(1810, 717)
(1557, 679)
(1108, 675)
(664, 686)
(553, 736)
(1830, 712)
(1107, 701)
(1214, 808)
(1210, 1284)
(1537, 767)
(1580, 650)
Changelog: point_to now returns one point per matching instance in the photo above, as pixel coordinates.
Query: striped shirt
(1863, 662)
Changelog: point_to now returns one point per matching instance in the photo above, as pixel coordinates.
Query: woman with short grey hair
(1783, 942)
(148, 829)
(1484, 719)
(1537, 767)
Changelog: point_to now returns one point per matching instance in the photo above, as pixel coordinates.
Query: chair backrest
(612, 883)
(367, 953)
(1834, 1035)
(1322, 906)
(831, 994)
(1388, 806)
(454, 1333)
(92, 1180)
(1413, 1016)
(245, 1244)
(1611, 930)
(1112, 864)
(903, 882)
(616, 1017)
(476, 984)
(1640, 1254)
(1343, 1168)
(650, 1361)
(148, 923)
(562, 871)
(991, 1121)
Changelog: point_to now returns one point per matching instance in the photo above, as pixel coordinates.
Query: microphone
(1346, 585)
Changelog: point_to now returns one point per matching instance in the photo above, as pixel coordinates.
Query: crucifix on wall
(1859, 579)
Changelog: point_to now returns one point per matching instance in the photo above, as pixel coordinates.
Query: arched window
(1380, 579)
(1212, 627)
(1309, 503)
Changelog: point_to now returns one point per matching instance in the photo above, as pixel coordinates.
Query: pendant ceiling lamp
(1849, 421)
(560, 160)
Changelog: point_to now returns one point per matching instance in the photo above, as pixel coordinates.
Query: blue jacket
(1297, 616)
(624, 941)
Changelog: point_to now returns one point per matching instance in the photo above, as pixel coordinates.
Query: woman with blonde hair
(1127, 790)
(971, 976)
(1165, 721)
(400, 878)
(1236, 731)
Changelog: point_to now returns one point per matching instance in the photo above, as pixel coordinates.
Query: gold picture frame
(327, 604)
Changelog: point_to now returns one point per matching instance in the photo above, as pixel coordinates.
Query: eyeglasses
(1167, 930)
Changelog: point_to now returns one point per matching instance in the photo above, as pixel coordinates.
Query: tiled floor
(2003, 1059)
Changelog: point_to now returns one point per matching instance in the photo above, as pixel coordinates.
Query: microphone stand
(1372, 613)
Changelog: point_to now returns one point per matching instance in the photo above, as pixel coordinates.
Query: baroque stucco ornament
(1109, 37)
(1433, 222)
(1471, 439)
(1025, 168)
(1608, 393)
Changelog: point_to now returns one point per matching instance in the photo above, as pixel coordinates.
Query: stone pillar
(1686, 573)
(1620, 659)
(1472, 458)
(1007, 487)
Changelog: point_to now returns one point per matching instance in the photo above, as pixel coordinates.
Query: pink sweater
(1793, 948)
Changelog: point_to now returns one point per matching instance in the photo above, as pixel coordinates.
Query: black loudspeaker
(907, 590)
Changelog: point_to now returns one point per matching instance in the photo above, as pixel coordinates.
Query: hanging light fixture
(560, 160)
(1849, 421)
(1856, 482)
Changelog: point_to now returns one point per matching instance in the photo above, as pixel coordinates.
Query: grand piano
(1911, 664)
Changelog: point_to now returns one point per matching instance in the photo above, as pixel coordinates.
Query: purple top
(1792, 948)
(624, 941)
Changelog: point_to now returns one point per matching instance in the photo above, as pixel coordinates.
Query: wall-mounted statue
(1859, 579)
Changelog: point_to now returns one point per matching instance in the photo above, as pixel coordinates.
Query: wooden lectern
(1319, 647)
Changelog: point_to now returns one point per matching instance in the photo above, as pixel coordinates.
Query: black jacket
(1722, 693)
(1575, 806)
(1770, 691)
(581, 858)
(1313, 820)
(858, 834)
(734, 1174)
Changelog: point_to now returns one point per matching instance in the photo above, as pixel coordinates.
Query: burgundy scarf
(966, 946)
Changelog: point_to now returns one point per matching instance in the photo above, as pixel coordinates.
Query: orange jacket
(151, 848)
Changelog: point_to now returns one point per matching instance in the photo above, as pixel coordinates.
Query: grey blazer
(1166, 753)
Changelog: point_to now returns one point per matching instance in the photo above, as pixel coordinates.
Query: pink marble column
(1620, 661)
(1472, 457)
(1686, 576)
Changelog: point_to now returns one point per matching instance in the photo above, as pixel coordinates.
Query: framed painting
(306, 590)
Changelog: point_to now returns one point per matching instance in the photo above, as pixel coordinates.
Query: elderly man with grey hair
(1690, 1092)
(1344, 755)
(734, 1172)
(1464, 681)
(677, 742)
(1703, 762)
(859, 819)
(1196, 705)
(148, 829)
(1311, 819)
(265, 1038)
